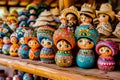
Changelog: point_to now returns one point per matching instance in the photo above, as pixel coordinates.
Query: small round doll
(106, 15)
(28, 76)
(15, 75)
(6, 46)
(72, 17)
(15, 46)
(117, 29)
(23, 50)
(63, 21)
(106, 49)
(86, 40)
(64, 40)
(34, 48)
(1, 44)
(31, 21)
(87, 15)
(45, 37)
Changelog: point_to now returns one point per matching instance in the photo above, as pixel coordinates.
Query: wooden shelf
(55, 72)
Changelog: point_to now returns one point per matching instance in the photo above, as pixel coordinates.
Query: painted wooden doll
(1, 45)
(86, 40)
(34, 51)
(106, 16)
(15, 75)
(28, 76)
(15, 46)
(117, 29)
(64, 40)
(23, 50)
(6, 46)
(45, 37)
(106, 49)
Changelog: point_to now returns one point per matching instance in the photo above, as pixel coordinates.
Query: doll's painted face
(85, 43)
(46, 43)
(63, 21)
(103, 18)
(13, 40)
(6, 40)
(33, 44)
(105, 51)
(1, 41)
(63, 45)
(22, 40)
(85, 19)
(71, 18)
(32, 11)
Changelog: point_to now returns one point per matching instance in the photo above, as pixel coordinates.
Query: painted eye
(66, 46)
(80, 41)
(42, 42)
(48, 43)
(107, 51)
(89, 42)
(101, 50)
(104, 16)
(60, 45)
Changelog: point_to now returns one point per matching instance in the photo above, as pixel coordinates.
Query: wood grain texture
(55, 72)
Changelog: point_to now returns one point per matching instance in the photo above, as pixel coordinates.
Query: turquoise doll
(45, 37)
(6, 46)
(23, 50)
(28, 76)
(86, 41)
(64, 40)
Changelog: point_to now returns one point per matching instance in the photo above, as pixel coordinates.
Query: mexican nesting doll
(105, 17)
(15, 46)
(23, 50)
(6, 46)
(106, 49)
(34, 48)
(86, 40)
(45, 37)
(64, 40)
(87, 15)
(117, 29)
(72, 17)
(28, 76)
(1, 45)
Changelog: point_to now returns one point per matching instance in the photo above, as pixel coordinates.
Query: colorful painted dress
(6, 48)
(34, 54)
(47, 55)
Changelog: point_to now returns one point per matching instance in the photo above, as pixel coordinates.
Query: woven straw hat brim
(87, 13)
(46, 18)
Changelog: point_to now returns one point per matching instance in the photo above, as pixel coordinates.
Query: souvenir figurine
(1, 45)
(106, 49)
(28, 76)
(106, 16)
(15, 46)
(87, 15)
(9, 78)
(72, 16)
(6, 46)
(15, 75)
(64, 40)
(45, 37)
(21, 74)
(117, 29)
(63, 21)
(23, 50)
(34, 51)
(2, 74)
(31, 21)
(86, 40)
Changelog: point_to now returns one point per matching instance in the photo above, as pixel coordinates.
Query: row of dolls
(65, 40)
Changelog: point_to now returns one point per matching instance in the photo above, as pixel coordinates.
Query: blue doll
(28, 76)
(45, 37)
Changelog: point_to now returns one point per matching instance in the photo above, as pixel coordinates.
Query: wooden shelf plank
(55, 72)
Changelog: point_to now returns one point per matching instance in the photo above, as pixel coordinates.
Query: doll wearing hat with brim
(106, 15)
(116, 32)
(106, 49)
(45, 37)
(64, 40)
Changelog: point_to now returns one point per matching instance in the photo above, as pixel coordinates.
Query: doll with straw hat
(106, 15)
(117, 29)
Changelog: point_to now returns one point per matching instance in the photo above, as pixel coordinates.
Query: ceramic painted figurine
(72, 17)
(34, 51)
(1, 45)
(28, 76)
(15, 75)
(6, 46)
(106, 49)
(86, 41)
(87, 15)
(106, 15)
(117, 29)
(63, 21)
(23, 50)
(15, 46)
(64, 40)
(45, 37)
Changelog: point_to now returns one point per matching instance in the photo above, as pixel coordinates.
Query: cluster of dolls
(38, 38)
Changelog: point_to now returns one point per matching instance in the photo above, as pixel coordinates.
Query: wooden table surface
(55, 72)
